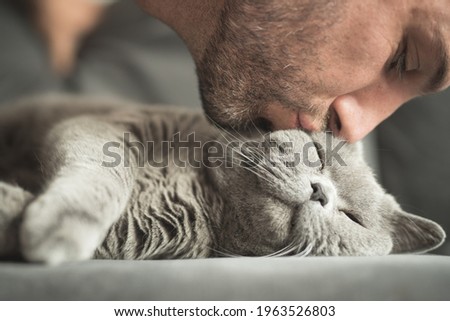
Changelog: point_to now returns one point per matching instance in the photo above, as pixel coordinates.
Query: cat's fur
(60, 202)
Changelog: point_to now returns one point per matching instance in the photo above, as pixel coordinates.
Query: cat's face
(302, 194)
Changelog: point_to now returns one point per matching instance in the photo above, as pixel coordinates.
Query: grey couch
(321, 278)
(153, 66)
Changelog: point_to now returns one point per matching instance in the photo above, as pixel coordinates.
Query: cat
(85, 178)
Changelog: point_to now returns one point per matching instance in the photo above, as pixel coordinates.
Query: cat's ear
(414, 234)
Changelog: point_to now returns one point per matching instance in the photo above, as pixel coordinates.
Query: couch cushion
(321, 278)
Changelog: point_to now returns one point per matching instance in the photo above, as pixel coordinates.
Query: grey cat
(74, 186)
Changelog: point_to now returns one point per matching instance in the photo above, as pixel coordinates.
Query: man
(312, 64)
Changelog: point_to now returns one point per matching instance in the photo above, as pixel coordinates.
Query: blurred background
(119, 51)
(112, 48)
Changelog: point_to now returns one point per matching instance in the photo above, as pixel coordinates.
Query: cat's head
(296, 193)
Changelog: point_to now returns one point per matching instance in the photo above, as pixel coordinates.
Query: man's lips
(281, 118)
(294, 120)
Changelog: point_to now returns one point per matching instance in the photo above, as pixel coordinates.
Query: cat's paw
(13, 200)
(53, 233)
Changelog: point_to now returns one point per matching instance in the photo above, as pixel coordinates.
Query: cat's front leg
(13, 200)
(83, 197)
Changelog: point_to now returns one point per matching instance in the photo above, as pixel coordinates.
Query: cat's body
(74, 186)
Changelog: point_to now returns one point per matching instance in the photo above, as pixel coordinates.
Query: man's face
(316, 64)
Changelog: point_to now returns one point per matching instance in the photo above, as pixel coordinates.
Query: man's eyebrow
(437, 80)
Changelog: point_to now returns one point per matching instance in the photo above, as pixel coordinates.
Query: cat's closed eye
(321, 154)
(352, 217)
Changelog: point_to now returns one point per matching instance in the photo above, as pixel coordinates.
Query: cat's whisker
(237, 139)
(259, 131)
(257, 174)
(257, 152)
(257, 164)
(222, 129)
(242, 137)
(283, 252)
(306, 251)
(254, 125)
(292, 247)
(225, 254)
(248, 157)
(250, 170)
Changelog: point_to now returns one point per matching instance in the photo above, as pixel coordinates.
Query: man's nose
(358, 113)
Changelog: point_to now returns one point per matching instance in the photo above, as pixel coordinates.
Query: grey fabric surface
(322, 278)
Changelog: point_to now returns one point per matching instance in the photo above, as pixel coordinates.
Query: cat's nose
(318, 194)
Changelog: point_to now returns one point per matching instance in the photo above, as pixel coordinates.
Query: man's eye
(399, 63)
(406, 58)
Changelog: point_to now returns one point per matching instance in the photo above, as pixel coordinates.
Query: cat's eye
(352, 217)
(321, 154)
